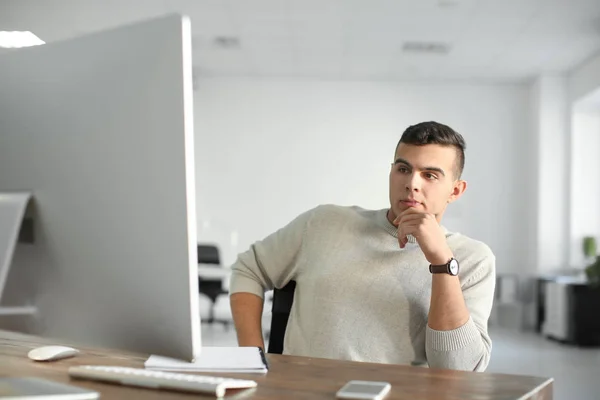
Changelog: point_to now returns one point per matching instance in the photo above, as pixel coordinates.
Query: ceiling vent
(227, 42)
(426, 48)
(448, 3)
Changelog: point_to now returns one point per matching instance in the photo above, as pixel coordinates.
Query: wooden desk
(288, 378)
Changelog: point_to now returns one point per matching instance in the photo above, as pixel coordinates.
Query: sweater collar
(383, 221)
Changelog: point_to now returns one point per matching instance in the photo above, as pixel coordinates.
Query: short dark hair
(432, 132)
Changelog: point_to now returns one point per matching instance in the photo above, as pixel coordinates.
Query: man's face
(424, 177)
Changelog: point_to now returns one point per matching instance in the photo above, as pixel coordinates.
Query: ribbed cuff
(455, 339)
(240, 283)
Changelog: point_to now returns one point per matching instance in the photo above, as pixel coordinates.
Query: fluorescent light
(16, 39)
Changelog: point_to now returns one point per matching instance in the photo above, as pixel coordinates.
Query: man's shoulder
(466, 247)
(335, 210)
(476, 259)
(332, 214)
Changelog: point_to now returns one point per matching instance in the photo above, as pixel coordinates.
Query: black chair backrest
(280, 313)
(208, 254)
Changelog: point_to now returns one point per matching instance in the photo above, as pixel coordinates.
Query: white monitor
(100, 129)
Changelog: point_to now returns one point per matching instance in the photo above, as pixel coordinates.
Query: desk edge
(530, 394)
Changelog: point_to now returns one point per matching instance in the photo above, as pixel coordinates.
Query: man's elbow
(481, 364)
(461, 360)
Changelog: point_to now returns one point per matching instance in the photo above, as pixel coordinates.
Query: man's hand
(428, 232)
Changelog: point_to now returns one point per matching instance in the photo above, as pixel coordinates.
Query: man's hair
(432, 132)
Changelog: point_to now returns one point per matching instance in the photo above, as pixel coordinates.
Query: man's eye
(402, 169)
(430, 176)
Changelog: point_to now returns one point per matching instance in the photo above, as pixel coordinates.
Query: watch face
(453, 267)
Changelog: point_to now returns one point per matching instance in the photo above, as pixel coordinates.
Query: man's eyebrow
(402, 161)
(434, 169)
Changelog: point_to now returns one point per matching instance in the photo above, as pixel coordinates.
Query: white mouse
(52, 353)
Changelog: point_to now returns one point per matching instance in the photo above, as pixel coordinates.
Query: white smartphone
(364, 390)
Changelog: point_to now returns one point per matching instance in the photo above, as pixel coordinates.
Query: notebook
(215, 359)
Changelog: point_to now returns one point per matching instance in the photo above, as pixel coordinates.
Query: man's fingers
(404, 230)
(408, 211)
(410, 217)
(403, 243)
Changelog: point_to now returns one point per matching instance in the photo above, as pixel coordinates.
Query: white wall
(266, 150)
(584, 102)
(585, 181)
(551, 130)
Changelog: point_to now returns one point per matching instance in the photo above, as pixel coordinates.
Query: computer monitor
(100, 129)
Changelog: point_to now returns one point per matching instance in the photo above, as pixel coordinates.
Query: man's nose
(414, 183)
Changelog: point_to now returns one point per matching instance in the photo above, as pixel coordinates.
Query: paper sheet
(215, 359)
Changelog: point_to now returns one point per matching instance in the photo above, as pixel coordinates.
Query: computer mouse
(52, 353)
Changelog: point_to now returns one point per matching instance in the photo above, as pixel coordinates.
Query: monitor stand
(14, 227)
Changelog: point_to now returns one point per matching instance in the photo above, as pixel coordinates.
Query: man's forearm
(247, 316)
(456, 337)
(452, 339)
(447, 310)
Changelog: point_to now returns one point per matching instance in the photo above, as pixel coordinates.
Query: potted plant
(592, 273)
(589, 247)
(592, 261)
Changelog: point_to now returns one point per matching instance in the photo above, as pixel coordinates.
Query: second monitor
(100, 130)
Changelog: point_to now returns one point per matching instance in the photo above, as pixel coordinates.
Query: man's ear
(459, 188)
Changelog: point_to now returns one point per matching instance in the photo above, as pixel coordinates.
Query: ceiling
(489, 40)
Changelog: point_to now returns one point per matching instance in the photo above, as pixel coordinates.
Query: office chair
(212, 288)
(280, 312)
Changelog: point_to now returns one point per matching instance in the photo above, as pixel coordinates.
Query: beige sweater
(360, 297)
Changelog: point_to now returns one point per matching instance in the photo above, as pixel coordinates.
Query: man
(386, 286)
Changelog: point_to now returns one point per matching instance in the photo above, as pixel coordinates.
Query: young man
(386, 286)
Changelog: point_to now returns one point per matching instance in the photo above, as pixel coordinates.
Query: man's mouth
(410, 203)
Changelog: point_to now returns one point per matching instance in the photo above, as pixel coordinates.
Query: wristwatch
(450, 268)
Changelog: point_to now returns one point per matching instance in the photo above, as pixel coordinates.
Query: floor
(576, 371)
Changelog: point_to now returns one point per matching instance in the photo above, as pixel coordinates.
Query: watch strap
(439, 269)
(450, 268)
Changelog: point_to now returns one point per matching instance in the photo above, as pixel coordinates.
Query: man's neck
(390, 216)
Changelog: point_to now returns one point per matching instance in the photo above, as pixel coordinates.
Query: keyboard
(140, 377)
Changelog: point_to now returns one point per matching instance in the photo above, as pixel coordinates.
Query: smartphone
(28, 388)
(364, 390)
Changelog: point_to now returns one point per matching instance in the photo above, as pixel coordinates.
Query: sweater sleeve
(271, 262)
(467, 347)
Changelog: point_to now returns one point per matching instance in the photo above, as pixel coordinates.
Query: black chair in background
(212, 288)
(280, 313)
(208, 254)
